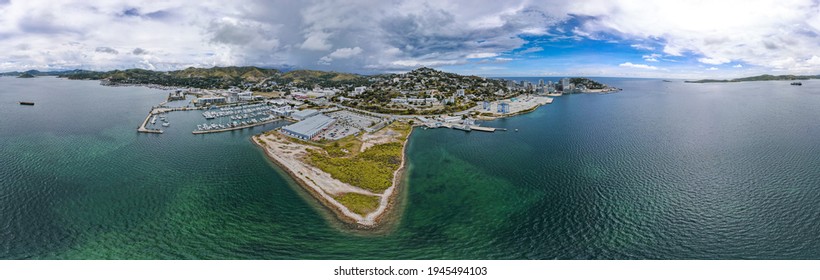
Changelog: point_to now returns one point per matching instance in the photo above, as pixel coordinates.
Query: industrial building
(309, 127)
(304, 114)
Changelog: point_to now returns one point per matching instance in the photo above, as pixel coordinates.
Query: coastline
(323, 194)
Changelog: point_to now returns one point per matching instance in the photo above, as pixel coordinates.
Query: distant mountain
(221, 77)
(759, 78)
(36, 73)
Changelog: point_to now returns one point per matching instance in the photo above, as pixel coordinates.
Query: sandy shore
(290, 156)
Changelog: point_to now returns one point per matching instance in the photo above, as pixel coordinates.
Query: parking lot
(338, 131)
(354, 119)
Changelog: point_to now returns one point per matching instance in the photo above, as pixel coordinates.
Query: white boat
(166, 124)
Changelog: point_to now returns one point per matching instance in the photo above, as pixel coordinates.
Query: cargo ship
(27, 103)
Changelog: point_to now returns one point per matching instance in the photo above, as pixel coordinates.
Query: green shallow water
(658, 171)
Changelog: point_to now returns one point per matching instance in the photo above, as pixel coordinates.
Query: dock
(235, 128)
(463, 127)
(156, 111)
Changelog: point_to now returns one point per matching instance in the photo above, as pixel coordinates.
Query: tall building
(504, 108)
(565, 82)
(541, 82)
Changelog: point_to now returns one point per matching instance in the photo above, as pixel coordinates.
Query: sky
(617, 38)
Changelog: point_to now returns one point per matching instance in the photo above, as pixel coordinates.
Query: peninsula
(346, 141)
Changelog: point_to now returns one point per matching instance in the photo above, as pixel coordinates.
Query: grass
(359, 203)
(371, 170)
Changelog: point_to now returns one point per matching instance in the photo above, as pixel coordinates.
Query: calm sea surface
(661, 170)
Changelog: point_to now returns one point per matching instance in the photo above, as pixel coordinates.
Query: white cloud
(651, 57)
(713, 61)
(642, 47)
(711, 69)
(342, 53)
(775, 34)
(738, 66)
(481, 55)
(638, 66)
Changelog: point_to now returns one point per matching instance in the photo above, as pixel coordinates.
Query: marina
(227, 118)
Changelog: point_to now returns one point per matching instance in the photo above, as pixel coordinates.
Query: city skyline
(689, 39)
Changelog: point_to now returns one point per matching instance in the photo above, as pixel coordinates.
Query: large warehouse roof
(310, 125)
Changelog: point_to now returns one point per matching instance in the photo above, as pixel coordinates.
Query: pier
(236, 128)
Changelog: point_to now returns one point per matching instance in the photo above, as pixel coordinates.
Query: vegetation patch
(371, 170)
(359, 203)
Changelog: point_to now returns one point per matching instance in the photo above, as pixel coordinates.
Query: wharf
(465, 128)
(235, 128)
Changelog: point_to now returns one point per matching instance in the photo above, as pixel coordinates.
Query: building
(504, 108)
(486, 105)
(284, 111)
(358, 90)
(205, 100)
(309, 127)
(460, 92)
(245, 96)
(304, 114)
(565, 83)
(452, 119)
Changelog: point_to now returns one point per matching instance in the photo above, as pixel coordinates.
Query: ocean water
(661, 170)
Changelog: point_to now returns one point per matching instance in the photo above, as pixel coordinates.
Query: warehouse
(309, 127)
(304, 114)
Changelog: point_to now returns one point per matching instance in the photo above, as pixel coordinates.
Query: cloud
(773, 34)
(651, 57)
(531, 50)
(638, 66)
(106, 50)
(738, 66)
(711, 68)
(342, 53)
(481, 55)
(398, 35)
(642, 47)
(713, 61)
(139, 51)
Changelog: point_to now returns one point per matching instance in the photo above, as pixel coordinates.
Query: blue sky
(622, 38)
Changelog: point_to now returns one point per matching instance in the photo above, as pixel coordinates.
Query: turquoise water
(658, 171)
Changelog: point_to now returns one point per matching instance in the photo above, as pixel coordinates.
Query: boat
(462, 127)
(797, 84)
(26, 103)
(166, 124)
(154, 120)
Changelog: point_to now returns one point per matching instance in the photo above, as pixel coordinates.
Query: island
(345, 136)
(760, 78)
